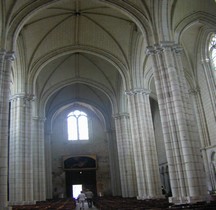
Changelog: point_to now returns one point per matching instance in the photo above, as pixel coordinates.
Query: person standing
(81, 198)
(89, 196)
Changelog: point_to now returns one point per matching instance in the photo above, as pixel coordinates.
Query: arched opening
(80, 170)
(74, 161)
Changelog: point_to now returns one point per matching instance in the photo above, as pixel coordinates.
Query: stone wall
(96, 145)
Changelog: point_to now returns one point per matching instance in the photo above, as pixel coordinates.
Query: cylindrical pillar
(48, 166)
(181, 142)
(20, 161)
(125, 156)
(114, 163)
(38, 150)
(144, 146)
(5, 72)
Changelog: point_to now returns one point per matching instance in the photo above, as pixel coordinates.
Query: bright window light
(212, 51)
(77, 123)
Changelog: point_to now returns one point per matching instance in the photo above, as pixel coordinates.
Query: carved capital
(121, 115)
(137, 91)
(166, 45)
(39, 119)
(194, 91)
(24, 96)
(150, 50)
(29, 97)
(163, 46)
(10, 56)
(17, 96)
(177, 49)
(158, 49)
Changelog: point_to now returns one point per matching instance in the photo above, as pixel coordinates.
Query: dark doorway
(87, 178)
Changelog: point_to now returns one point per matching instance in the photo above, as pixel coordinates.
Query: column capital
(10, 56)
(16, 96)
(167, 44)
(137, 91)
(25, 96)
(163, 46)
(150, 50)
(158, 49)
(30, 97)
(121, 115)
(177, 49)
(194, 91)
(39, 119)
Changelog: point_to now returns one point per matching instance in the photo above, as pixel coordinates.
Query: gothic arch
(198, 17)
(52, 90)
(68, 50)
(81, 105)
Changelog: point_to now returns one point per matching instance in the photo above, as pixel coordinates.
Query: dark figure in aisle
(163, 190)
(89, 196)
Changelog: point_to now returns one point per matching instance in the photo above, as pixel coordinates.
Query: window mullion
(77, 122)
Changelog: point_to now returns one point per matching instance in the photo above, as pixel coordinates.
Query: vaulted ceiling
(87, 50)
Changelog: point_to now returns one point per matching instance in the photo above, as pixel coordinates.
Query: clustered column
(114, 163)
(48, 166)
(38, 150)
(182, 145)
(5, 71)
(203, 133)
(125, 156)
(20, 161)
(144, 146)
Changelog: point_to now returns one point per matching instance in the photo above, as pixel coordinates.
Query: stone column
(5, 71)
(144, 146)
(203, 133)
(125, 156)
(20, 161)
(182, 145)
(114, 163)
(48, 166)
(38, 150)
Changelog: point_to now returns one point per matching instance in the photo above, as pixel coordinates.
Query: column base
(13, 203)
(5, 206)
(187, 199)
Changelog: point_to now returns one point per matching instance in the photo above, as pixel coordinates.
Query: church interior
(116, 96)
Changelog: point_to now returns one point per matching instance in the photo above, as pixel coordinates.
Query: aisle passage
(85, 207)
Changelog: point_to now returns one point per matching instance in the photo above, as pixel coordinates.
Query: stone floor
(85, 207)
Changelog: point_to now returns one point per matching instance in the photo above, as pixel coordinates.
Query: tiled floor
(85, 207)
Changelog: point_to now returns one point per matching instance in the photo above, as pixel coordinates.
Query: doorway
(84, 178)
(76, 188)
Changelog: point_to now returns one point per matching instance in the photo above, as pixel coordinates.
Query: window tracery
(212, 51)
(77, 122)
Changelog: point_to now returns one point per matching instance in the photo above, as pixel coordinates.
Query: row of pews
(52, 204)
(118, 203)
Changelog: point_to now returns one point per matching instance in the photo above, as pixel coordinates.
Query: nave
(116, 95)
(116, 203)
